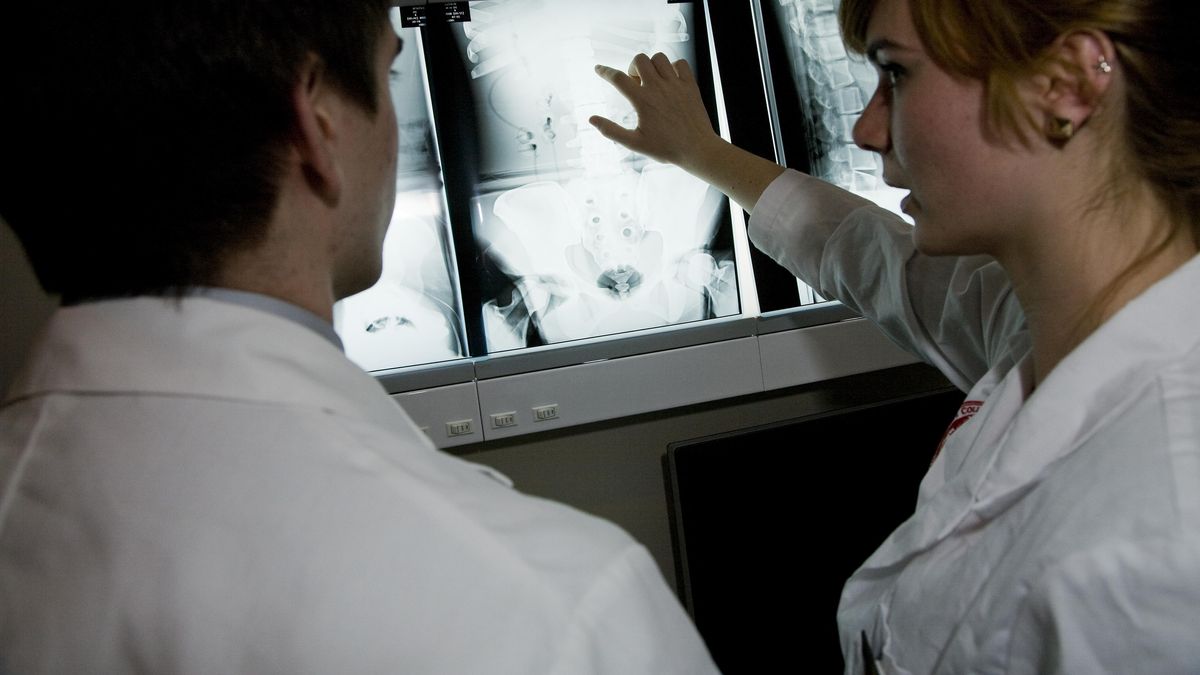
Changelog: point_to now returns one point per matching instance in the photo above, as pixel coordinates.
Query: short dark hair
(143, 138)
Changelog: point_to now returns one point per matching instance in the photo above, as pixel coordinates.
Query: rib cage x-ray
(588, 238)
(413, 314)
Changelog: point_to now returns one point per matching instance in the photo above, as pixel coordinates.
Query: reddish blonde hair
(999, 41)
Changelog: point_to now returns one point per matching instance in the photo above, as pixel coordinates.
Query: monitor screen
(768, 523)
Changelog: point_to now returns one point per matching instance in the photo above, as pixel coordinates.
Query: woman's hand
(673, 125)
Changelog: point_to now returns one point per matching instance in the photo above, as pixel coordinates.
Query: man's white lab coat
(1058, 530)
(200, 487)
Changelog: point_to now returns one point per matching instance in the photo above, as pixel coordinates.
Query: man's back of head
(147, 138)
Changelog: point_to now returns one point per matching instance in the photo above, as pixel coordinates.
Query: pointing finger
(612, 131)
(623, 83)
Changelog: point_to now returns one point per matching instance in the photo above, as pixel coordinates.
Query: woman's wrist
(740, 175)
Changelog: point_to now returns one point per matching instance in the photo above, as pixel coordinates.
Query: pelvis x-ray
(599, 255)
(588, 238)
(413, 314)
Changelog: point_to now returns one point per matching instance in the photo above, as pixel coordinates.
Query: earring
(1061, 129)
(1103, 65)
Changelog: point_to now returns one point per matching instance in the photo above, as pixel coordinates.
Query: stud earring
(1061, 129)
(1103, 65)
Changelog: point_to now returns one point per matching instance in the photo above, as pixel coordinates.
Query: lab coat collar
(196, 346)
(1015, 443)
(1095, 383)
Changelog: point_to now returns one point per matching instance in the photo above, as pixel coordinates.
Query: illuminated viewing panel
(413, 314)
(582, 238)
(517, 225)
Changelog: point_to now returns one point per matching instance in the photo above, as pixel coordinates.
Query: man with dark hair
(194, 478)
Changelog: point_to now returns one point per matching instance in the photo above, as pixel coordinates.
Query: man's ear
(313, 102)
(1072, 82)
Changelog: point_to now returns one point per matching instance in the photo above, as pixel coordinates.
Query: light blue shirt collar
(280, 308)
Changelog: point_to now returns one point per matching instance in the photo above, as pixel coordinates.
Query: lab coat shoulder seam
(10, 487)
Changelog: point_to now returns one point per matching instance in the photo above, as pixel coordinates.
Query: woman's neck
(1072, 276)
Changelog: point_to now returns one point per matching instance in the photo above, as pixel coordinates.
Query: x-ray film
(586, 238)
(413, 314)
(835, 87)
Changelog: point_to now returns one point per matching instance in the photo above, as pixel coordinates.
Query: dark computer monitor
(767, 524)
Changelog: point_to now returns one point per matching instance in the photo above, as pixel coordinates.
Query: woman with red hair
(1052, 154)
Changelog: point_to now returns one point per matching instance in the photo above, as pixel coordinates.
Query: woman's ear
(1072, 82)
(313, 102)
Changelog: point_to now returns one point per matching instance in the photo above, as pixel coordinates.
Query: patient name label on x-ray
(452, 12)
(418, 13)
(414, 17)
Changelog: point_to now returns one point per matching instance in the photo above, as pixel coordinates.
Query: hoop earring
(1103, 66)
(1061, 129)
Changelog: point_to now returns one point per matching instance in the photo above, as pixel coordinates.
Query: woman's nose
(871, 130)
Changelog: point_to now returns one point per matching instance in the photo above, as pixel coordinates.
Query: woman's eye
(891, 73)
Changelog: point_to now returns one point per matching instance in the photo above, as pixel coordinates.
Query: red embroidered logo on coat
(965, 412)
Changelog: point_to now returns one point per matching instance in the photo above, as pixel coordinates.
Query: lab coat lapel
(1096, 382)
(967, 457)
(1002, 453)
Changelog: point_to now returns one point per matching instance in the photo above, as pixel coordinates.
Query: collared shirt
(274, 306)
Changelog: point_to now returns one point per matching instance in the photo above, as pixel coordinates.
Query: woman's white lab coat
(1058, 530)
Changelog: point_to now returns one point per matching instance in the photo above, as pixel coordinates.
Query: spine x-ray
(835, 87)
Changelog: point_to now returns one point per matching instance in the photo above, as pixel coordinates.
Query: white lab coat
(1058, 530)
(209, 488)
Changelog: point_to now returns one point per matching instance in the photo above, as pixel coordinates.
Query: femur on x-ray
(590, 238)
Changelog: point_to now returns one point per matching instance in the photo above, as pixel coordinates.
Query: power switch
(504, 419)
(543, 413)
(459, 428)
